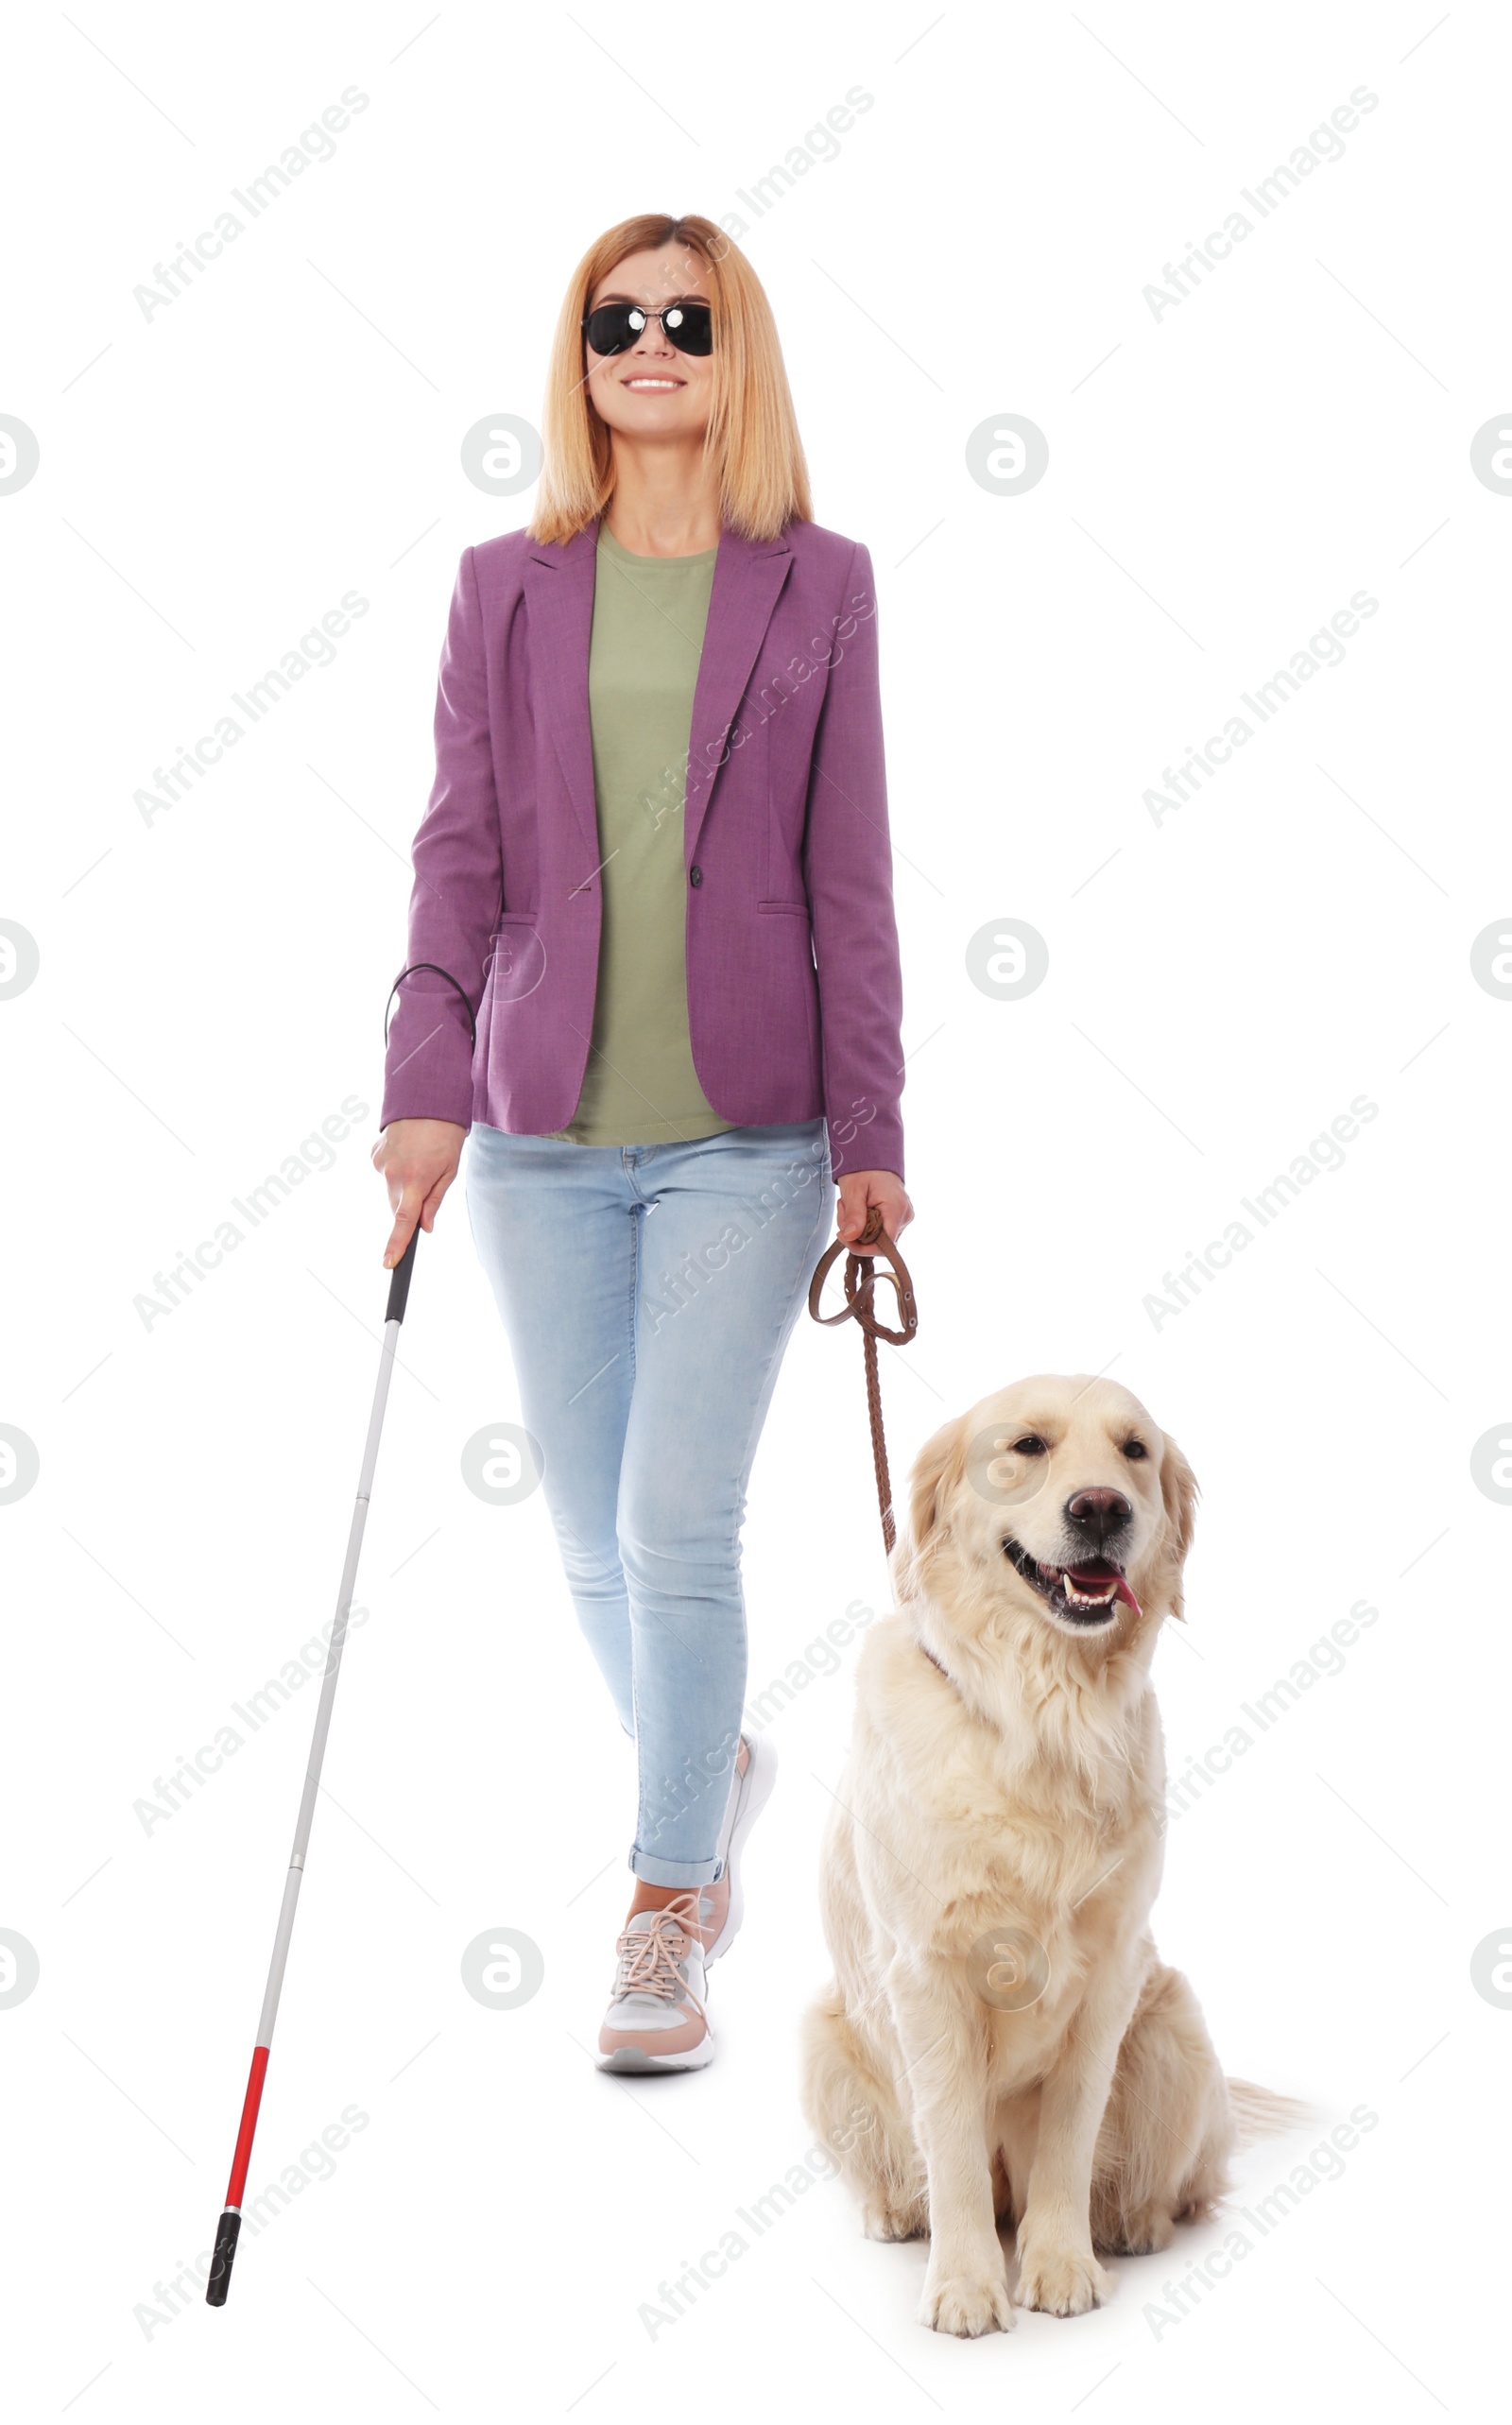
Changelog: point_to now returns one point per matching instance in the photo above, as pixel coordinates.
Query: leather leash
(860, 1293)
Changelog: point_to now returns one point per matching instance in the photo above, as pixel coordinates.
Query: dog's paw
(1148, 2229)
(882, 2220)
(1061, 2281)
(966, 2302)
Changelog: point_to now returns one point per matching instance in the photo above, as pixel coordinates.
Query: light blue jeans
(648, 1293)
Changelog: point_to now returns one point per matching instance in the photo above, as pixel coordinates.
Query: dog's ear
(935, 1471)
(1179, 1490)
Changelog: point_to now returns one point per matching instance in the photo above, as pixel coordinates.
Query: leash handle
(860, 1284)
(860, 1305)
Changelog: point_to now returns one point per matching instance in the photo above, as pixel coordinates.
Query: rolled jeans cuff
(674, 1873)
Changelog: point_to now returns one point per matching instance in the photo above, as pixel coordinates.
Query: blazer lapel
(748, 578)
(560, 600)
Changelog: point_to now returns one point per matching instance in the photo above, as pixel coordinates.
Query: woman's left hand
(859, 1191)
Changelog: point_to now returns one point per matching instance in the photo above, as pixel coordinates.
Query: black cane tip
(219, 2283)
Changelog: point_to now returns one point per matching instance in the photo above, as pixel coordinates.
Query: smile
(658, 385)
(1085, 1594)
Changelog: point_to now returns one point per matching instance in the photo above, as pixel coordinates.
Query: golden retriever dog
(1001, 2041)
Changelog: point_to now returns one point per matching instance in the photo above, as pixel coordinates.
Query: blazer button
(695, 875)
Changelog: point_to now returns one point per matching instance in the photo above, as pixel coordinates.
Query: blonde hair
(752, 434)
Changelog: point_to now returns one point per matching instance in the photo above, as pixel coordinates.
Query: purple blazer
(794, 988)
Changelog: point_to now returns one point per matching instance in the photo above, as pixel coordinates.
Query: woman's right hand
(418, 1158)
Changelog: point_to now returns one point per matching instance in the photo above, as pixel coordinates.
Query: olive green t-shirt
(639, 1087)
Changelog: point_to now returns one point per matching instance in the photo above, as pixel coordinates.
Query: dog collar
(936, 1662)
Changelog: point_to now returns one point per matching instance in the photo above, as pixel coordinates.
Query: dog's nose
(1099, 1513)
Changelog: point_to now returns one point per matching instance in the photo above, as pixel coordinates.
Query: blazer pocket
(517, 957)
(783, 874)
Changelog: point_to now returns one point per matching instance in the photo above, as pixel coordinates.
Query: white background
(1222, 985)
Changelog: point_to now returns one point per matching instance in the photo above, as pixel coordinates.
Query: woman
(654, 875)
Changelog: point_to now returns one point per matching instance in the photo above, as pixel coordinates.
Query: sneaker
(656, 2019)
(722, 1905)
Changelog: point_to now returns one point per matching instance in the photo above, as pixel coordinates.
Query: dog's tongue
(1096, 1579)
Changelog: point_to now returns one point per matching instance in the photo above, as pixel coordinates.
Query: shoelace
(648, 1958)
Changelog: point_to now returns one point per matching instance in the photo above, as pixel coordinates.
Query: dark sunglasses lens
(612, 327)
(689, 327)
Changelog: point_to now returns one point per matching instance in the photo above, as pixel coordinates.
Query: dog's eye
(1134, 1450)
(1031, 1445)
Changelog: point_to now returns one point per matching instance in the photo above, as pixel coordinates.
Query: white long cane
(230, 2221)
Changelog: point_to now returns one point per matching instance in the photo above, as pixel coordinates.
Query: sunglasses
(615, 326)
